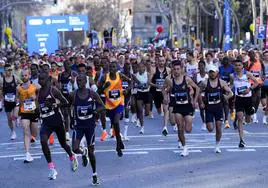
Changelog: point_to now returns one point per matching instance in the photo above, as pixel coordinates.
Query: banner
(227, 21)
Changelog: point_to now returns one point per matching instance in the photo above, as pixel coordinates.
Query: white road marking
(190, 150)
(136, 153)
(23, 158)
(240, 150)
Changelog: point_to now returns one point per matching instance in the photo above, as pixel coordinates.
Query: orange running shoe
(51, 139)
(103, 135)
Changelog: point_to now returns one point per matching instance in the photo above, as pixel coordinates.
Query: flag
(227, 21)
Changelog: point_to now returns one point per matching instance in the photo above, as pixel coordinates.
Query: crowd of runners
(109, 87)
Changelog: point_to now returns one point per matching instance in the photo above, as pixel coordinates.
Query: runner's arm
(58, 95)
(227, 89)
(191, 83)
(98, 100)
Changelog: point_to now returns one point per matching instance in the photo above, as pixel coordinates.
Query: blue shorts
(119, 109)
(214, 114)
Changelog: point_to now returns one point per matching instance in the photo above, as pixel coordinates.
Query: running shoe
(204, 127)
(51, 139)
(68, 136)
(264, 120)
(226, 125)
(180, 145)
(184, 152)
(165, 131)
(242, 144)
(151, 115)
(119, 152)
(95, 180)
(74, 164)
(112, 133)
(232, 115)
(255, 118)
(217, 149)
(33, 139)
(85, 158)
(138, 123)
(126, 120)
(52, 174)
(13, 135)
(103, 135)
(28, 158)
(142, 130)
(175, 128)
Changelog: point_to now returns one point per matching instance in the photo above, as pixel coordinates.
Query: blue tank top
(225, 72)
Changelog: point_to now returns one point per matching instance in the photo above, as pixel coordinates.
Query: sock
(51, 165)
(94, 174)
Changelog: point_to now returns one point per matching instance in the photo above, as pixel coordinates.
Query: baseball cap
(213, 68)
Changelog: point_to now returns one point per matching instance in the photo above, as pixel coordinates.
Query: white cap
(213, 68)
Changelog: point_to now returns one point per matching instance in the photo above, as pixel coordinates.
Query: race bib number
(29, 105)
(160, 83)
(255, 73)
(65, 88)
(114, 94)
(84, 112)
(10, 97)
(46, 111)
(214, 98)
(124, 85)
(241, 90)
(181, 98)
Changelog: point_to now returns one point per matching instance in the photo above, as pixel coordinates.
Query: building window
(158, 19)
(148, 19)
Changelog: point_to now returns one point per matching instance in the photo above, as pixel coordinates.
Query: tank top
(256, 70)
(241, 85)
(64, 80)
(49, 111)
(9, 90)
(191, 69)
(200, 79)
(213, 95)
(28, 105)
(180, 92)
(159, 78)
(114, 93)
(84, 109)
(143, 86)
(225, 73)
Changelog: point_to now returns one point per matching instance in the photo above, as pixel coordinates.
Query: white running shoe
(151, 115)
(184, 152)
(107, 119)
(133, 118)
(126, 120)
(138, 124)
(13, 135)
(142, 130)
(52, 174)
(67, 136)
(264, 120)
(217, 149)
(180, 146)
(175, 128)
(204, 127)
(28, 158)
(255, 119)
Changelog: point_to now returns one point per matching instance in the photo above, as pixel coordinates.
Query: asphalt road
(150, 160)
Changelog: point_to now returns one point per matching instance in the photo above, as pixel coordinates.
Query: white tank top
(201, 79)
(191, 69)
(143, 79)
(241, 84)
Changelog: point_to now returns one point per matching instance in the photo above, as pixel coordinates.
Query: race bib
(159, 82)
(65, 88)
(84, 112)
(46, 111)
(181, 98)
(29, 105)
(214, 98)
(255, 73)
(10, 97)
(241, 90)
(124, 85)
(114, 94)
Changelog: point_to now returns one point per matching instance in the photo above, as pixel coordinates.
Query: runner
(264, 88)
(8, 84)
(52, 121)
(215, 90)
(26, 96)
(112, 88)
(182, 87)
(243, 97)
(85, 102)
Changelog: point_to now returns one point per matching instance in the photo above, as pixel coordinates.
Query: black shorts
(33, 117)
(9, 106)
(244, 104)
(48, 129)
(183, 109)
(264, 92)
(214, 113)
(146, 97)
(89, 133)
(158, 98)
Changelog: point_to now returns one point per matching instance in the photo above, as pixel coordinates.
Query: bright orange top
(27, 105)
(114, 93)
(256, 70)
